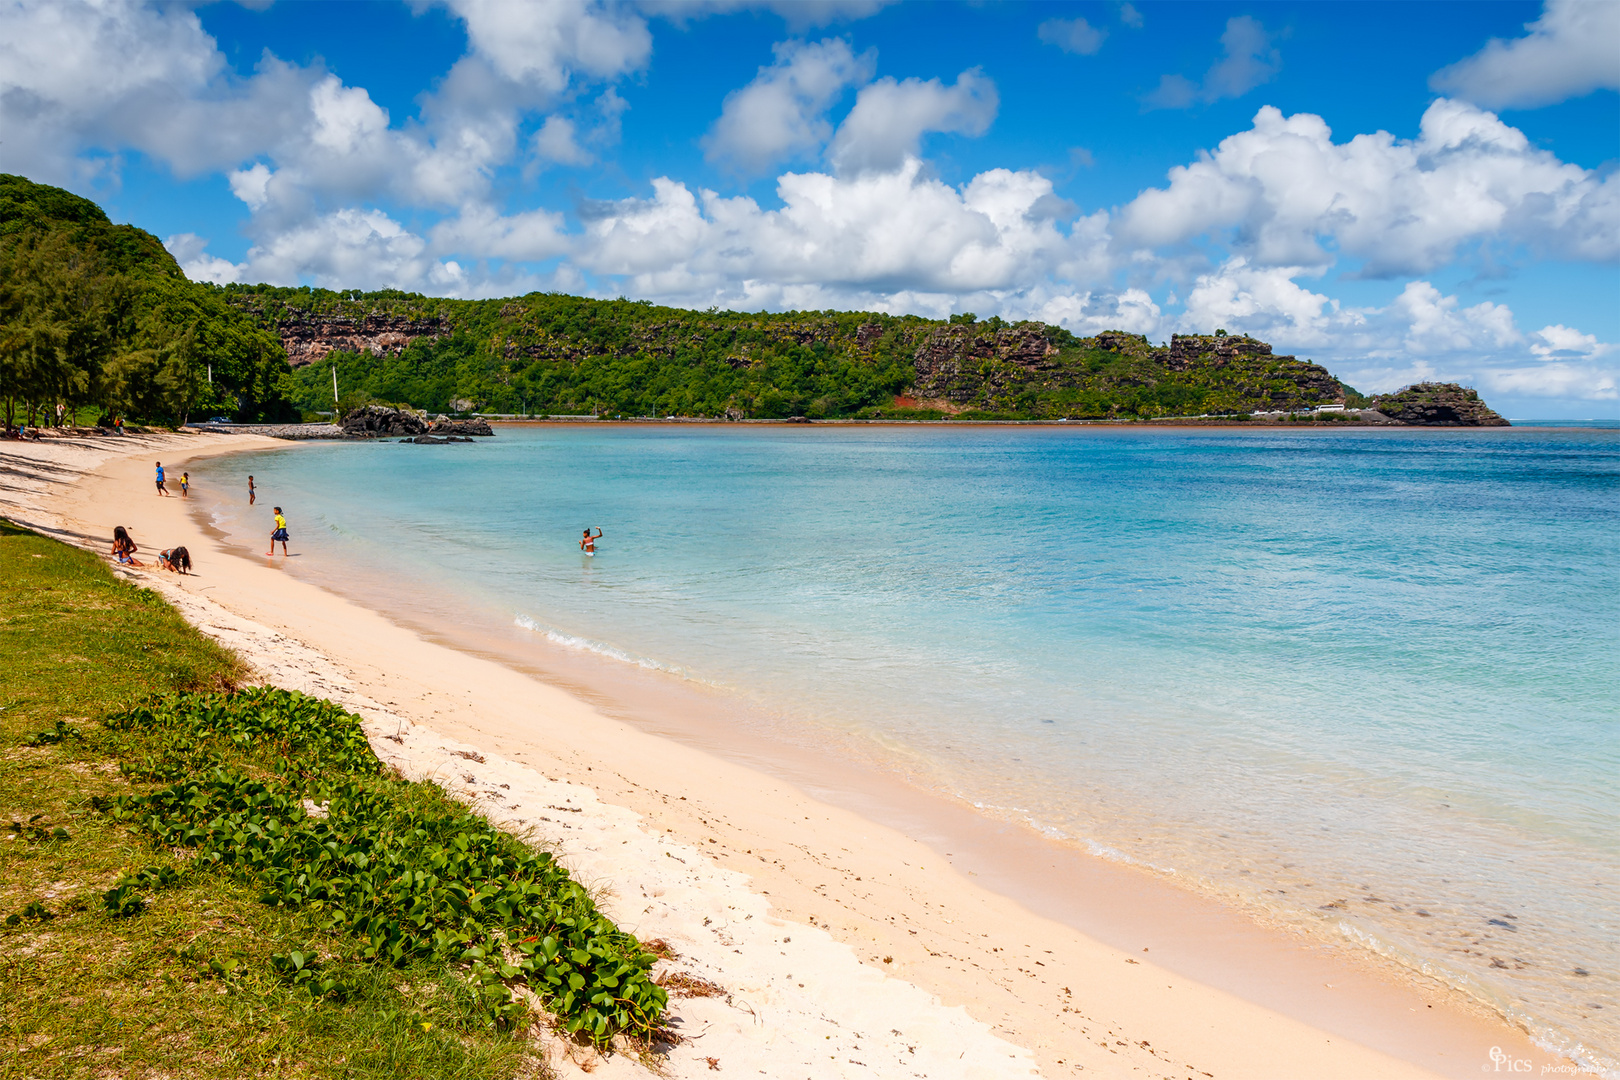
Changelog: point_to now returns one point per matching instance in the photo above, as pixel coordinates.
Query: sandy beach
(823, 941)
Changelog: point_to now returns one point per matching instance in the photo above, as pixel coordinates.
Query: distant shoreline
(325, 431)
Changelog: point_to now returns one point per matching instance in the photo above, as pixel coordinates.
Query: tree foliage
(548, 353)
(100, 315)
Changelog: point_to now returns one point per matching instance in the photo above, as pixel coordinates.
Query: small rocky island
(1439, 405)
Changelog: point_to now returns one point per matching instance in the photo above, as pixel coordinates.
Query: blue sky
(1399, 191)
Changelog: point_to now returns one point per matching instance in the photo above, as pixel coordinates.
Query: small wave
(600, 648)
(1544, 1035)
(1095, 848)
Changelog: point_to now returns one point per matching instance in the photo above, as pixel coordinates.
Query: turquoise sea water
(1363, 682)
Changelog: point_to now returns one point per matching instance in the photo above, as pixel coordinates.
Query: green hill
(547, 353)
(27, 208)
(96, 316)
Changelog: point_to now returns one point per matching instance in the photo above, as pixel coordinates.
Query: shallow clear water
(1367, 682)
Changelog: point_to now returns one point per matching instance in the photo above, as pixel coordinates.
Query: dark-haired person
(253, 494)
(587, 543)
(280, 533)
(185, 484)
(176, 560)
(123, 548)
(161, 489)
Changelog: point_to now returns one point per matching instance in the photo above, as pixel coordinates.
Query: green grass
(189, 987)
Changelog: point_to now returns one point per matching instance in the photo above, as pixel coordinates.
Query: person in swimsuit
(123, 548)
(252, 494)
(176, 560)
(587, 543)
(161, 489)
(185, 484)
(279, 534)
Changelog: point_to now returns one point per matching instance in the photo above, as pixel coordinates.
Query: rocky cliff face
(1188, 351)
(975, 364)
(1307, 382)
(309, 339)
(959, 363)
(1438, 405)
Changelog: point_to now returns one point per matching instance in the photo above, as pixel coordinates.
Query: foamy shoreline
(689, 847)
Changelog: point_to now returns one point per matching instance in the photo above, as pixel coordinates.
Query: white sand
(843, 948)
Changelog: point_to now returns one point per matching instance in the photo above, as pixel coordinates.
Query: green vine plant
(391, 870)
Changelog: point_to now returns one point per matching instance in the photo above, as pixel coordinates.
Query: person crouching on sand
(280, 533)
(175, 560)
(123, 548)
(587, 543)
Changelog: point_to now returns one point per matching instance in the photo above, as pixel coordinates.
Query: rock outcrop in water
(1438, 405)
(376, 421)
(445, 426)
(386, 421)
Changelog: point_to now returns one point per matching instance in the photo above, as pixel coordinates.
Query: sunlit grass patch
(127, 950)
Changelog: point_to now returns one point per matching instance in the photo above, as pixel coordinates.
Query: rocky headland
(1438, 405)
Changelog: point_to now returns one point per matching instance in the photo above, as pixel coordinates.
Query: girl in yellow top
(280, 533)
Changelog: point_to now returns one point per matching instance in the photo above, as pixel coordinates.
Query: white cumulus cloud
(1559, 340)
(1573, 49)
(781, 114)
(479, 232)
(78, 76)
(349, 248)
(1072, 35)
(889, 119)
(856, 236)
(545, 45)
(1284, 188)
(557, 141)
(190, 251)
(1247, 60)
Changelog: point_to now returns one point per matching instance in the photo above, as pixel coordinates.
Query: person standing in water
(280, 533)
(587, 543)
(185, 484)
(252, 494)
(161, 489)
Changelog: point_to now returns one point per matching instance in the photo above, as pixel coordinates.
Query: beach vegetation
(199, 879)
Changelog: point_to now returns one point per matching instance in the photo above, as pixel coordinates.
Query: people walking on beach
(252, 494)
(280, 533)
(176, 560)
(185, 484)
(161, 489)
(587, 543)
(123, 548)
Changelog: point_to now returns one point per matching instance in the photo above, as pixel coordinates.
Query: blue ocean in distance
(1365, 683)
